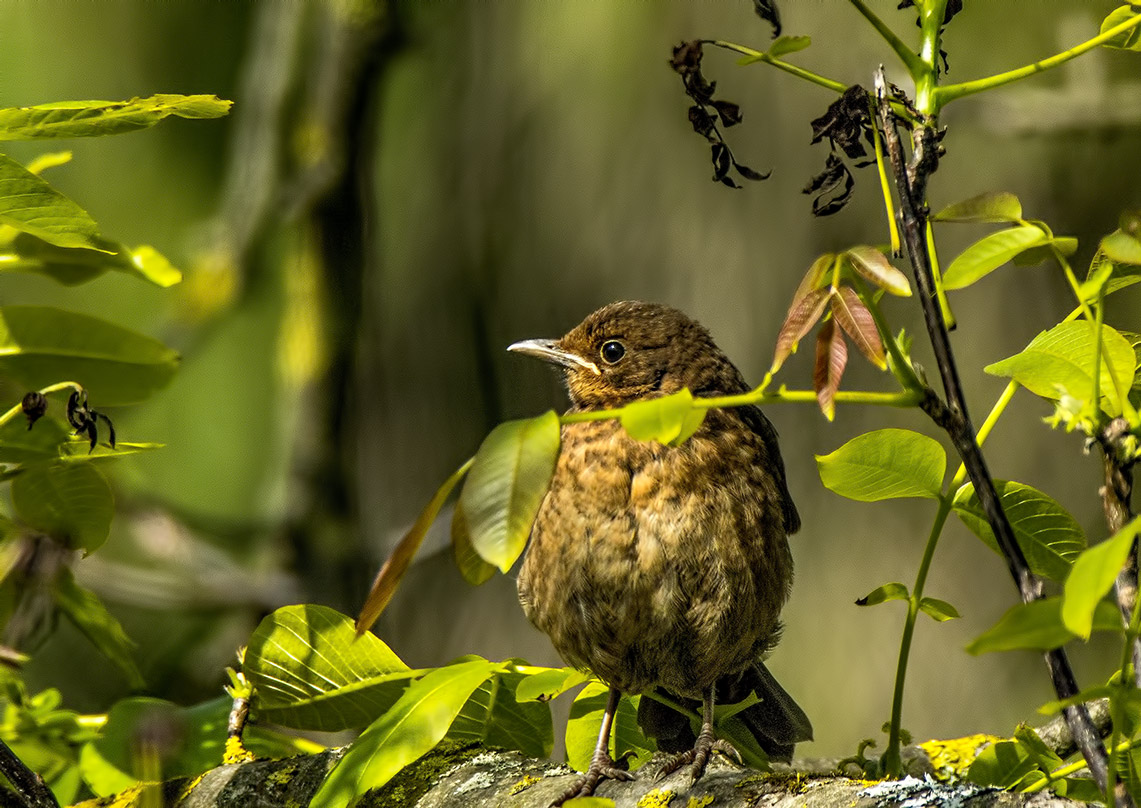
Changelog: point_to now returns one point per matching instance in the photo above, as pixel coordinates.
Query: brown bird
(659, 566)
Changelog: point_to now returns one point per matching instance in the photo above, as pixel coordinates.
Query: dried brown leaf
(831, 358)
(799, 322)
(854, 317)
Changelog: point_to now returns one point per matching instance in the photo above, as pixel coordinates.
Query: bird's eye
(612, 351)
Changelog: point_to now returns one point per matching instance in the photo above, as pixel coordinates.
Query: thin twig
(952, 416)
(29, 786)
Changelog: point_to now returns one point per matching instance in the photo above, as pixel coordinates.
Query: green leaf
(938, 610)
(1121, 247)
(882, 594)
(495, 716)
(40, 345)
(41, 444)
(885, 464)
(1049, 537)
(1038, 626)
(72, 266)
(788, 44)
(506, 485)
(30, 205)
(186, 740)
(993, 206)
(415, 724)
(1066, 245)
(311, 671)
(71, 503)
(660, 419)
(92, 118)
(474, 569)
(589, 802)
(990, 252)
(88, 614)
(586, 719)
(1060, 362)
(550, 683)
(874, 266)
(1092, 575)
(1001, 764)
(1131, 39)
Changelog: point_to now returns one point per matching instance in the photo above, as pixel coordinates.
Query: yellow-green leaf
(31, 205)
(1092, 575)
(990, 252)
(661, 419)
(71, 503)
(874, 266)
(993, 206)
(92, 118)
(885, 464)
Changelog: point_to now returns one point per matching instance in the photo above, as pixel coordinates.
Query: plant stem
(944, 303)
(885, 186)
(947, 93)
(915, 66)
(952, 415)
(753, 56)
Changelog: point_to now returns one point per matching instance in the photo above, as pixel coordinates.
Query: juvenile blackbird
(658, 566)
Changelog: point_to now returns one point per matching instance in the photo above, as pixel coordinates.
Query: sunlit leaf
(1092, 575)
(800, 320)
(831, 359)
(91, 118)
(474, 569)
(1038, 626)
(938, 610)
(882, 594)
(1002, 764)
(40, 345)
(1060, 361)
(72, 266)
(874, 266)
(1049, 537)
(88, 614)
(550, 683)
(72, 503)
(396, 565)
(661, 419)
(853, 316)
(788, 44)
(989, 253)
(31, 205)
(586, 719)
(813, 279)
(1066, 245)
(506, 485)
(993, 206)
(1122, 247)
(42, 162)
(1131, 39)
(885, 464)
(415, 723)
(495, 716)
(311, 671)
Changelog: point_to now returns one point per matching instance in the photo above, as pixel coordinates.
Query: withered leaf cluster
(847, 124)
(767, 11)
(828, 291)
(707, 111)
(83, 419)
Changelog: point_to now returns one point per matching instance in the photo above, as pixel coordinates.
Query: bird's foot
(699, 755)
(602, 767)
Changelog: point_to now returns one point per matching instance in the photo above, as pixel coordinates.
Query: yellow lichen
(658, 798)
(952, 758)
(236, 752)
(524, 784)
(700, 802)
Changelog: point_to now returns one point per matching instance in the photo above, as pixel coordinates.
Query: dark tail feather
(776, 720)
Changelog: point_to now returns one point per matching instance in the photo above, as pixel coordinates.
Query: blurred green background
(403, 190)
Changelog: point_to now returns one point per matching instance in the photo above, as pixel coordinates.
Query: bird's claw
(602, 767)
(699, 756)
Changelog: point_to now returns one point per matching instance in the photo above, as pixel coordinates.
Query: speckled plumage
(651, 565)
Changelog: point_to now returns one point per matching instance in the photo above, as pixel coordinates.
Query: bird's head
(632, 350)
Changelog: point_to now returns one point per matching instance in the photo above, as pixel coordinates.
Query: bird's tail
(776, 720)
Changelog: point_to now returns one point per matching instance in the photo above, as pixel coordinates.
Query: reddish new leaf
(854, 317)
(831, 357)
(871, 264)
(801, 317)
(812, 278)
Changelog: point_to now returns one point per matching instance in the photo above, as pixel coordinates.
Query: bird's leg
(703, 747)
(601, 764)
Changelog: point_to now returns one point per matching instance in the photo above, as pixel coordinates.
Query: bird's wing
(759, 424)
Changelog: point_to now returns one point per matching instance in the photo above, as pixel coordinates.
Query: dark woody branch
(952, 415)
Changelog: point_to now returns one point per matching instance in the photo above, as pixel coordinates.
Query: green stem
(754, 56)
(941, 293)
(51, 388)
(931, 15)
(901, 366)
(910, 59)
(949, 92)
(885, 184)
(906, 398)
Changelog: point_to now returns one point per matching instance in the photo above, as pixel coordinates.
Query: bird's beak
(549, 351)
